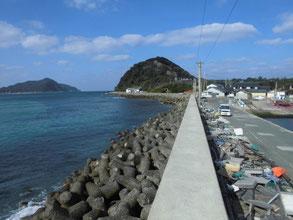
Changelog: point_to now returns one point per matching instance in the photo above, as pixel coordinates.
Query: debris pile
(122, 184)
(252, 185)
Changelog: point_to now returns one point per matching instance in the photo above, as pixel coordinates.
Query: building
(258, 92)
(244, 95)
(246, 85)
(132, 90)
(279, 94)
(215, 91)
(215, 86)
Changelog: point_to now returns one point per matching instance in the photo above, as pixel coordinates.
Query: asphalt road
(276, 142)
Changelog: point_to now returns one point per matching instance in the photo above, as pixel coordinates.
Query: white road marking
(251, 125)
(240, 119)
(285, 148)
(265, 134)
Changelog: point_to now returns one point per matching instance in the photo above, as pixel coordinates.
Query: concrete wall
(189, 188)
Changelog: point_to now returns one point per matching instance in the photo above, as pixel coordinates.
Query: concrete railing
(189, 187)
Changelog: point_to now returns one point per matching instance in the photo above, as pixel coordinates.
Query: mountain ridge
(38, 86)
(153, 74)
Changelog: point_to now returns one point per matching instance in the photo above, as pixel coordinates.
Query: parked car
(224, 109)
(259, 98)
(231, 95)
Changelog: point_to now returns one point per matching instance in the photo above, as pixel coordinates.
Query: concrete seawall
(189, 187)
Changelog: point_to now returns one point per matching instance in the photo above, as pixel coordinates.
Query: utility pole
(275, 92)
(194, 85)
(206, 81)
(199, 81)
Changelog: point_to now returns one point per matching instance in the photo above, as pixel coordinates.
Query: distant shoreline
(21, 93)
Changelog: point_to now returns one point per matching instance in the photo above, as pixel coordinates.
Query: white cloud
(35, 24)
(10, 67)
(235, 31)
(40, 43)
(62, 62)
(77, 45)
(237, 60)
(185, 56)
(287, 24)
(186, 36)
(111, 58)
(276, 41)
(85, 4)
(9, 35)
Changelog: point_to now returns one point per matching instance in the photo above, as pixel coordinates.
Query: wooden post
(199, 81)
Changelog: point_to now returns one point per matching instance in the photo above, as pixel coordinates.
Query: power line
(202, 22)
(235, 3)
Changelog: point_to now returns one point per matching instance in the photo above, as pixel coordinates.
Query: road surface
(276, 142)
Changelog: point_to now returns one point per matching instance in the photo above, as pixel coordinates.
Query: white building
(215, 86)
(279, 95)
(215, 91)
(243, 95)
(132, 90)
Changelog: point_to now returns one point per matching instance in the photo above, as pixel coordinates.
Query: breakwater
(122, 183)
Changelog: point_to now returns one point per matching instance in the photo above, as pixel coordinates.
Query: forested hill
(44, 85)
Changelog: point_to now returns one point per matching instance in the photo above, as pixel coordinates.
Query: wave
(33, 205)
(28, 210)
(116, 97)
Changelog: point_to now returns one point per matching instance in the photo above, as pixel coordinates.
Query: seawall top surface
(189, 187)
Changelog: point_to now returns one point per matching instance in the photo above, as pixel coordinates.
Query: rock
(145, 212)
(131, 197)
(97, 203)
(77, 187)
(93, 190)
(93, 215)
(110, 189)
(120, 208)
(144, 165)
(68, 199)
(78, 210)
(129, 182)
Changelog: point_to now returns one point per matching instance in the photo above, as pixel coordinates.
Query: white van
(224, 109)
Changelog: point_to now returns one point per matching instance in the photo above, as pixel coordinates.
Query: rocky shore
(123, 181)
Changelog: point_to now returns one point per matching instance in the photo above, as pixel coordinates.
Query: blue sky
(90, 44)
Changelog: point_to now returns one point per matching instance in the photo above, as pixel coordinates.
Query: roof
(257, 90)
(247, 84)
(217, 88)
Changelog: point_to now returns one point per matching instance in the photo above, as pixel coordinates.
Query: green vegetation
(44, 85)
(153, 75)
(283, 83)
(177, 88)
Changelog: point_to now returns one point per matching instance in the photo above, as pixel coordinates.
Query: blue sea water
(45, 137)
(283, 122)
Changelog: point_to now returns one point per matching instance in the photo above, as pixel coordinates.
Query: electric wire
(202, 22)
(216, 41)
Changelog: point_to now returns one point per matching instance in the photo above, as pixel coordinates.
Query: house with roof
(258, 93)
(216, 91)
(215, 86)
(243, 95)
(132, 90)
(246, 85)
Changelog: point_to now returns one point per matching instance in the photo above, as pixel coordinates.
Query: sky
(90, 44)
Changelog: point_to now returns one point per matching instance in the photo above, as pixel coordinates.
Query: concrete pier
(189, 188)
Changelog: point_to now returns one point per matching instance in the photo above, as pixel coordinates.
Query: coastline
(126, 176)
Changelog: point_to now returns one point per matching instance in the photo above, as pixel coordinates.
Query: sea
(283, 122)
(45, 137)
